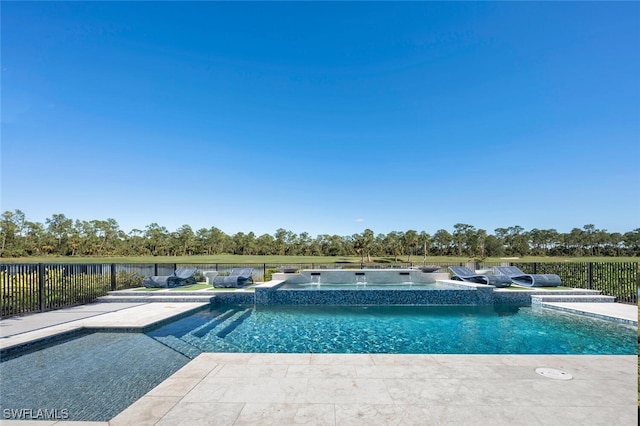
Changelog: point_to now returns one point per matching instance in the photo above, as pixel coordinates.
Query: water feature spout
(406, 276)
(315, 278)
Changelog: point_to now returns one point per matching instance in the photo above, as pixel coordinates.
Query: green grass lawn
(192, 287)
(232, 289)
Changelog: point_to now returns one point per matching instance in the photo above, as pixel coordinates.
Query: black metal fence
(619, 279)
(27, 288)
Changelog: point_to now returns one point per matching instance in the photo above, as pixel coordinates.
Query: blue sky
(323, 117)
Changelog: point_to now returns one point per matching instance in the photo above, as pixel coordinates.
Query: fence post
(41, 282)
(113, 277)
(590, 275)
(637, 289)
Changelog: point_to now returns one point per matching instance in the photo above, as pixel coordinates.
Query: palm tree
(410, 241)
(425, 242)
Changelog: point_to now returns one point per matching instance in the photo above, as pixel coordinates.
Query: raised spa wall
(458, 294)
(372, 276)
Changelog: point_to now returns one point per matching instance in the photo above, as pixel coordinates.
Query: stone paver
(394, 389)
(126, 316)
(602, 310)
(22, 324)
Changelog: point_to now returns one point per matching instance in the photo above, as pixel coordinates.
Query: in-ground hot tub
(369, 287)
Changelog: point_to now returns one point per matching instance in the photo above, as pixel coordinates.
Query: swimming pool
(96, 376)
(495, 329)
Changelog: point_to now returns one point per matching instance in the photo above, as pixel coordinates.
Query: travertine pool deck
(616, 311)
(21, 330)
(334, 389)
(347, 389)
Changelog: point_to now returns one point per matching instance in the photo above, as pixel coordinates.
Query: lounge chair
(528, 280)
(237, 278)
(462, 273)
(180, 277)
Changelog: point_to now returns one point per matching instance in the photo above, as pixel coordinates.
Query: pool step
(221, 345)
(585, 298)
(180, 345)
(234, 323)
(216, 330)
(221, 325)
(210, 325)
(142, 298)
(198, 337)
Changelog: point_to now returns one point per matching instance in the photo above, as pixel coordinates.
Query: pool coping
(138, 317)
(616, 312)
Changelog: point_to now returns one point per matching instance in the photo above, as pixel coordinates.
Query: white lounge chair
(462, 273)
(237, 278)
(529, 280)
(180, 277)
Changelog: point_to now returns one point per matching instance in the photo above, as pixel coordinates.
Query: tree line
(63, 236)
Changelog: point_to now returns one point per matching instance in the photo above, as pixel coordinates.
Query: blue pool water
(497, 329)
(92, 377)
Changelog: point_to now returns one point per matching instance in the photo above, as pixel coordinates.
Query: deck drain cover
(552, 373)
